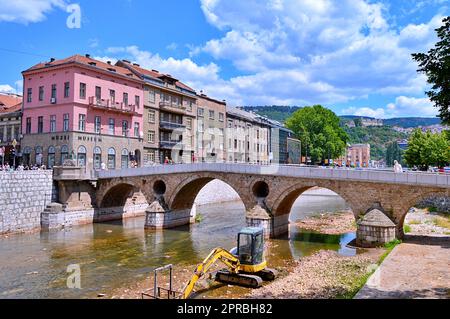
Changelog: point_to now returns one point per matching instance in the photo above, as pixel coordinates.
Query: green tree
(393, 153)
(319, 131)
(427, 149)
(436, 65)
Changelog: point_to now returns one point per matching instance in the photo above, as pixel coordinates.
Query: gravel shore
(331, 224)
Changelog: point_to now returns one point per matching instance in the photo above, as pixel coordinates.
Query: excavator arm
(217, 254)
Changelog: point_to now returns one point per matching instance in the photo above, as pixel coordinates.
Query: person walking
(397, 167)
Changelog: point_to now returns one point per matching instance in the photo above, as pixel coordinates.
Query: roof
(153, 74)
(10, 103)
(251, 230)
(87, 61)
(376, 218)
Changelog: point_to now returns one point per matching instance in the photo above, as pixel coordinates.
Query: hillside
(377, 136)
(281, 113)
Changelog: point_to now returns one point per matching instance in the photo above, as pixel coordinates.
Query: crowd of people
(9, 168)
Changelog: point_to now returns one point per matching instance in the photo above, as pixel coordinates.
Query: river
(110, 255)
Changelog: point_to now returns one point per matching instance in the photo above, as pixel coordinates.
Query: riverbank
(330, 223)
(423, 222)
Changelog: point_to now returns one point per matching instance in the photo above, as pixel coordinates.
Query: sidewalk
(417, 268)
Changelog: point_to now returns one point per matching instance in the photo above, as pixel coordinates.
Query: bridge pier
(274, 226)
(158, 215)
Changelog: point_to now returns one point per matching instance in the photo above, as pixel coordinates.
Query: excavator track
(267, 274)
(245, 280)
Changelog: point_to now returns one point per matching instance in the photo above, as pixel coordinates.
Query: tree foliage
(319, 131)
(393, 153)
(427, 149)
(436, 65)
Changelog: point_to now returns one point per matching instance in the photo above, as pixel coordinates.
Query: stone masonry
(23, 197)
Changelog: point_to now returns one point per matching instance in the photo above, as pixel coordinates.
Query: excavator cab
(250, 246)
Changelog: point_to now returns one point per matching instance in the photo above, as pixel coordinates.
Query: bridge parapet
(380, 176)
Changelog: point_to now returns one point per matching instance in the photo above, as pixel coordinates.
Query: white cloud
(402, 106)
(6, 88)
(27, 11)
(329, 51)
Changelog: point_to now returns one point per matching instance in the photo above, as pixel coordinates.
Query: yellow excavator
(246, 266)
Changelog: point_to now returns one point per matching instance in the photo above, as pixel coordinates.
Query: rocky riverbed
(423, 222)
(331, 223)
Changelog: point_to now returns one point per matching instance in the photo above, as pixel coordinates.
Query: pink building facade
(83, 109)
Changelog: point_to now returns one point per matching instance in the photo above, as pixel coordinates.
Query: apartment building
(10, 130)
(357, 155)
(211, 125)
(82, 109)
(169, 116)
(247, 137)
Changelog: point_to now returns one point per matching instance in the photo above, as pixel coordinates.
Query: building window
(136, 129)
(66, 122)
(98, 93)
(51, 157)
(151, 96)
(112, 126)
(151, 136)
(211, 115)
(81, 122)
(200, 111)
(200, 126)
(151, 116)
(64, 153)
(97, 157)
(38, 152)
(28, 126)
(189, 123)
(66, 89)
(111, 158)
(82, 91)
(40, 124)
(124, 158)
(112, 96)
(98, 124)
(221, 117)
(81, 156)
(29, 95)
(150, 156)
(53, 91)
(52, 123)
(189, 106)
(125, 128)
(137, 100)
(125, 99)
(41, 93)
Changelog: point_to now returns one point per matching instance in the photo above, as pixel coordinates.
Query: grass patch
(406, 228)
(432, 209)
(389, 247)
(356, 286)
(414, 222)
(443, 222)
(198, 218)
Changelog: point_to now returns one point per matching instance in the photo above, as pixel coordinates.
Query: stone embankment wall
(23, 197)
(441, 203)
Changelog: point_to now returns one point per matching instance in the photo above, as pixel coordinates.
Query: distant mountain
(281, 113)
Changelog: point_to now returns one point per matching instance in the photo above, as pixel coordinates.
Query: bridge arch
(183, 196)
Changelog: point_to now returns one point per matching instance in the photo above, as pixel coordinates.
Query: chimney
(156, 71)
(126, 61)
(109, 62)
(88, 56)
(52, 59)
(135, 64)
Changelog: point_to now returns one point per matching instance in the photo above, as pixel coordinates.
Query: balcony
(170, 126)
(109, 105)
(169, 144)
(169, 107)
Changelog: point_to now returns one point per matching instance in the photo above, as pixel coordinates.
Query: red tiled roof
(155, 74)
(10, 103)
(86, 61)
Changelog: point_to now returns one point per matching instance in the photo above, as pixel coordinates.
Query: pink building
(82, 108)
(357, 155)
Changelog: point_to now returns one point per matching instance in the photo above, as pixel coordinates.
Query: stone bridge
(167, 193)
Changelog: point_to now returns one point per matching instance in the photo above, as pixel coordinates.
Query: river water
(113, 254)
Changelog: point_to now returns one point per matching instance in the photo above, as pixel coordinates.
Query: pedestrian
(397, 167)
(166, 161)
(103, 166)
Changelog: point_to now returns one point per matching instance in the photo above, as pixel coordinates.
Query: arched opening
(81, 156)
(260, 189)
(428, 216)
(159, 187)
(64, 154)
(125, 158)
(120, 202)
(111, 158)
(27, 156)
(97, 157)
(319, 218)
(51, 157)
(38, 156)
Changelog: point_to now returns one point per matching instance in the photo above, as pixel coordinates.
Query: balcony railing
(168, 144)
(111, 105)
(172, 107)
(171, 125)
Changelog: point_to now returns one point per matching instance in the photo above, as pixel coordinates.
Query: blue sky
(352, 56)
